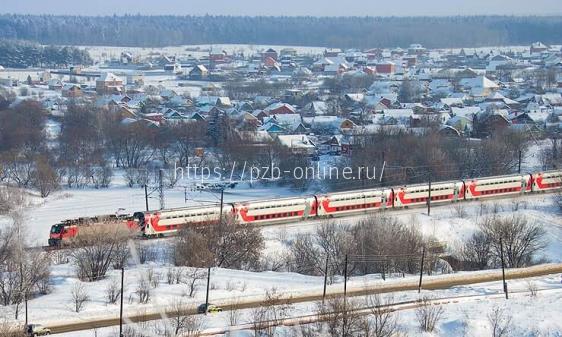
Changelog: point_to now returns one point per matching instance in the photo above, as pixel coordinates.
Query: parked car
(211, 308)
(33, 330)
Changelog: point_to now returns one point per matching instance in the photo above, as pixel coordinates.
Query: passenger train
(274, 211)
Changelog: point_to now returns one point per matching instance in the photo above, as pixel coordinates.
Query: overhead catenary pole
(382, 168)
(161, 189)
(146, 196)
(503, 270)
(208, 285)
(121, 304)
(345, 279)
(429, 197)
(344, 297)
(25, 308)
(325, 278)
(222, 205)
(421, 269)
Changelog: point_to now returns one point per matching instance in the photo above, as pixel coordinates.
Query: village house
(71, 90)
(198, 73)
(298, 144)
(279, 109)
(108, 84)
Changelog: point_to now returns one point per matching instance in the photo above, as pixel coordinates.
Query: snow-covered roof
(450, 101)
(479, 82)
(398, 113)
(468, 112)
(109, 77)
(278, 105)
(259, 136)
(296, 141)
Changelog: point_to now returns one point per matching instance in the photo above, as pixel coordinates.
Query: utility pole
(503, 270)
(344, 297)
(207, 295)
(519, 169)
(382, 168)
(161, 189)
(221, 207)
(429, 197)
(121, 305)
(421, 269)
(146, 196)
(345, 279)
(325, 279)
(25, 307)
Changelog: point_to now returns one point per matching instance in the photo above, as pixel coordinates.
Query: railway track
(354, 217)
(430, 283)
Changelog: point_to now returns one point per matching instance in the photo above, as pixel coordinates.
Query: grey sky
(285, 7)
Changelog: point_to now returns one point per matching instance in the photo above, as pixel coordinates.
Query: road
(429, 283)
(363, 310)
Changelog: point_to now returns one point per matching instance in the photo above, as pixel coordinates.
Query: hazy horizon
(288, 8)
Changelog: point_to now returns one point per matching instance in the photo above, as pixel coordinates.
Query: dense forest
(22, 54)
(345, 32)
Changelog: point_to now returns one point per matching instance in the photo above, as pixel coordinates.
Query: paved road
(433, 282)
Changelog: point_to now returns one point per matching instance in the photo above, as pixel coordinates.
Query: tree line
(344, 32)
(24, 54)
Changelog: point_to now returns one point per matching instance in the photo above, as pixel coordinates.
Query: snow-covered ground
(466, 310)
(450, 224)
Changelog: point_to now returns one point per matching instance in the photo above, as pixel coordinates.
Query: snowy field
(105, 53)
(450, 224)
(466, 309)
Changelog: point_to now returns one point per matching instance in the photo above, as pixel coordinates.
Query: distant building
(332, 52)
(416, 49)
(269, 53)
(71, 90)
(108, 84)
(298, 144)
(385, 67)
(200, 72)
(538, 47)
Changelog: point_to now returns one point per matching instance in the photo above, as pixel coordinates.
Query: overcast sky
(285, 7)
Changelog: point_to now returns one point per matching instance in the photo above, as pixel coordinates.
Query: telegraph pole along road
(412, 284)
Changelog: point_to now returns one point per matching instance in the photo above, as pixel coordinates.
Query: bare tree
(46, 179)
(234, 313)
(460, 210)
(383, 322)
(532, 288)
(227, 245)
(269, 315)
(521, 239)
(96, 248)
(11, 199)
(79, 296)
(336, 241)
(182, 322)
(143, 290)
(23, 273)
(174, 275)
(476, 252)
(500, 322)
(112, 291)
(428, 314)
(11, 329)
(191, 278)
(153, 277)
(341, 317)
(305, 256)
